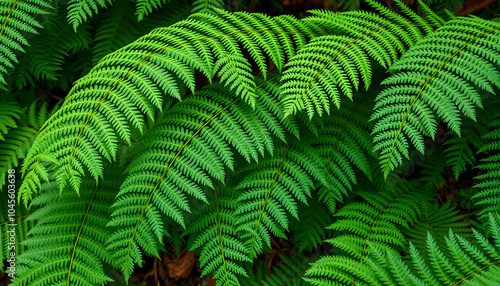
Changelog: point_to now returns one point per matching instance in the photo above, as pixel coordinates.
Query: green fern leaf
(309, 229)
(48, 52)
(129, 83)
(81, 10)
(488, 187)
(118, 26)
(438, 65)
(459, 262)
(207, 6)
(270, 191)
(437, 221)
(19, 140)
(65, 247)
(213, 231)
(334, 64)
(17, 17)
(191, 146)
(9, 112)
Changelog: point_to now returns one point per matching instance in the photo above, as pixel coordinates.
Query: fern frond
(118, 26)
(270, 191)
(81, 10)
(16, 18)
(437, 221)
(458, 262)
(309, 229)
(438, 75)
(459, 150)
(488, 187)
(9, 112)
(129, 83)
(213, 231)
(289, 272)
(190, 146)
(207, 6)
(67, 245)
(335, 64)
(9, 221)
(376, 220)
(145, 7)
(343, 144)
(49, 51)
(19, 140)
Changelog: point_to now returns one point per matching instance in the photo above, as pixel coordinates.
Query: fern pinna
(188, 127)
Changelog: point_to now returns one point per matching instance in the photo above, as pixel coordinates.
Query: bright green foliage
(338, 63)
(437, 65)
(191, 144)
(64, 246)
(213, 231)
(130, 82)
(460, 261)
(17, 17)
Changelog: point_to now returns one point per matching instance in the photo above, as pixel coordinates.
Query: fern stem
(79, 233)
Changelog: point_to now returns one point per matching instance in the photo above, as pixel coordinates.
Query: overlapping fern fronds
(334, 64)
(81, 10)
(49, 51)
(67, 244)
(213, 231)
(129, 83)
(438, 76)
(19, 139)
(437, 221)
(488, 187)
(17, 17)
(459, 262)
(289, 272)
(271, 190)
(9, 113)
(193, 144)
(343, 143)
(118, 27)
(378, 219)
(207, 6)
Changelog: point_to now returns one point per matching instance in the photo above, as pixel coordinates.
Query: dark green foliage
(474, 263)
(66, 246)
(213, 230)
(141, 130)
(338, 63)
